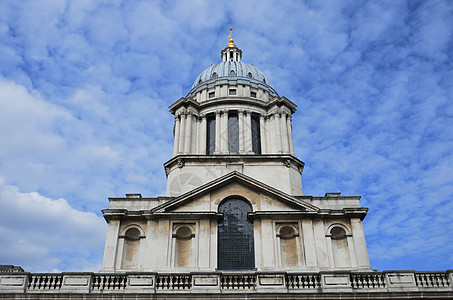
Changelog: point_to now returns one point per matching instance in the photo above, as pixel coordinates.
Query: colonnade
(274, 129)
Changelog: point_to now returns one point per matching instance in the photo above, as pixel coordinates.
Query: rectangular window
(256, 137)
(253, 94)
(232, 92)
(210, 136)
(211, 94)
(233, 133)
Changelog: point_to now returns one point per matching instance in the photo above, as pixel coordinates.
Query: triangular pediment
(262, 196)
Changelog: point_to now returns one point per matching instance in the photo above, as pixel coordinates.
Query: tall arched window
(256, 137)
(235, 237)
(210, 136)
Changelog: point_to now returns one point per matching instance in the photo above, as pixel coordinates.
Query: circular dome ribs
(231, 73)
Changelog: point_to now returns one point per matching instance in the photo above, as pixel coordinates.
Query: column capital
(225, 111)
(202, 116)
(241, 111)
(247, 112)
(217, 112)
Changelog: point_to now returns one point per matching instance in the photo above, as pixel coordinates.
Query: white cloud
(43, 234)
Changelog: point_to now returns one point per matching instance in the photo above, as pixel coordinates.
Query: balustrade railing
(432, 279)
(109, 282)
(368, 281)
(44, 282)
(303, 281)
(237, 282)
(173, 282)
(379, 282)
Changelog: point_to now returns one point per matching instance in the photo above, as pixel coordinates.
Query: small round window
(249, 75)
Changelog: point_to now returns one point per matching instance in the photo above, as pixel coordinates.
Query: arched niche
(340, 245)
(184, 255)
(235, 244)
(290, 253)
(130, 259)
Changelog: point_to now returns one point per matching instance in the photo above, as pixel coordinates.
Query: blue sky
(85, 88)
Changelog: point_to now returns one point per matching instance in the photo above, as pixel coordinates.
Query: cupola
(231, 51)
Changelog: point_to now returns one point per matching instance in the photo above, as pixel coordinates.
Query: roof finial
(230, 38)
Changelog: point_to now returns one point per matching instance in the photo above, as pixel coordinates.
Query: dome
(231, 69)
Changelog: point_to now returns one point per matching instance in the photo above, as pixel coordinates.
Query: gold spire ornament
(230, 39)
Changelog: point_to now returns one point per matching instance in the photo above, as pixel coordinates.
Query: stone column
(182, 128)
(358, 236)
(176, 145)
(241, 131)
(217, 132)
(203, 137)
(290, 134)
(248, 131)
(285, 142)
(263, 134)
(188, 138)
(278, 131)
(196, 139)
(111, 246)
(309, 243)
(225, 132)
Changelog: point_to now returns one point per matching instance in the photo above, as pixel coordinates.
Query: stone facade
(233, 146)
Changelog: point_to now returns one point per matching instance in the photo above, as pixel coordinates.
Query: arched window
(249, 75)
(256, 136)
(235, 236)
(214, 75)
(131, 248)
(233, 132)
(232, 73)
(210, 136)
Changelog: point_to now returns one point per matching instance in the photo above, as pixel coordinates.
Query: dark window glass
(232, 92)
(210, 136)
(256, 138)
(211, 94)
(233, 133)
(253, 94)
(235, 239)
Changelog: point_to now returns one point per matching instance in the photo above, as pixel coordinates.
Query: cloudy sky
(85, 88)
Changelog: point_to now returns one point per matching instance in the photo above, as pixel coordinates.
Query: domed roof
(232, 68)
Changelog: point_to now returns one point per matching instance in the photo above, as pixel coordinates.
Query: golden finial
(230, 38)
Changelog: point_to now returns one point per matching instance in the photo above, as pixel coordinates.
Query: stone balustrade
(410, 283)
